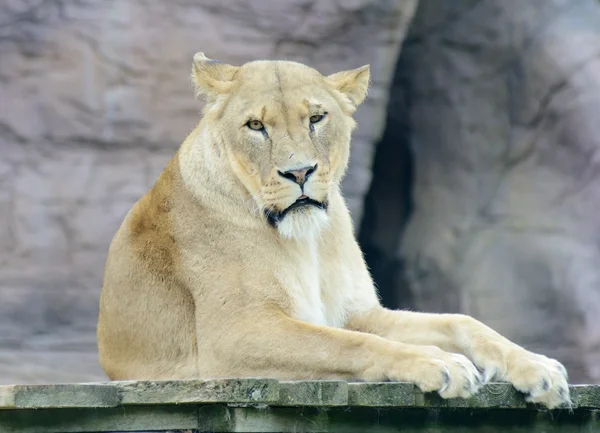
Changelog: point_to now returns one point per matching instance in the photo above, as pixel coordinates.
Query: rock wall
(503, 119)
(496, 100)
(95, 98)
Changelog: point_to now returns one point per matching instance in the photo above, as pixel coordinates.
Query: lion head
(285, 129)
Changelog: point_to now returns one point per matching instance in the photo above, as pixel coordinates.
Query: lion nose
(298, 175)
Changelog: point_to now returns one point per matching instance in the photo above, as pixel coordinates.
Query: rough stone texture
(260, 392)
(63, 396)
(328, 406)
(96, 97)
(497, 395)
(199, 391)
(7, 396)
(585, 396)
(141, 419)
(312, 393)
(382, 394)
(504, 128)
(392, 420)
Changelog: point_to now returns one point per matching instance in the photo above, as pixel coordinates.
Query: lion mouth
(274, 217)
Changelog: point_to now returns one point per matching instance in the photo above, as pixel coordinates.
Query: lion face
(285, 130)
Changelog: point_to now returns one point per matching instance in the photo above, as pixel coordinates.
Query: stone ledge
(266, 392)
(267, 405)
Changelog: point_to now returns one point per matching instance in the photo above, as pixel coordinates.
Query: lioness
(241, 260)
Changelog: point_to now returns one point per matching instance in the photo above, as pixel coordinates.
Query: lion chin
(304, 219)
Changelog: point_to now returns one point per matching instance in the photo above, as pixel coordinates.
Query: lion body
(242, 261)
(231, 268)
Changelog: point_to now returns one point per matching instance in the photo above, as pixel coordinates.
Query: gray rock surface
(258, 405)
(95, 98)
(506, 138)
(262, 392)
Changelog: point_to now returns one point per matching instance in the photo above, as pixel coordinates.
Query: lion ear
(211, 77)
(353, 83)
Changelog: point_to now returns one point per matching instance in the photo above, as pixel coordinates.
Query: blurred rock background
(474, 181)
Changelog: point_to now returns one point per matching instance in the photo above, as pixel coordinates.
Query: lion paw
(543, 380)
(450, 375)
(464, 378)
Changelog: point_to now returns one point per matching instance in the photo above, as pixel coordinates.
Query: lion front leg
(542, 379)
(269, 343)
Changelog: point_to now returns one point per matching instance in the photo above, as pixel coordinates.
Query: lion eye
(255, 125)
(316, 118)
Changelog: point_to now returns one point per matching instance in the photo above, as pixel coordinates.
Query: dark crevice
(388, 203)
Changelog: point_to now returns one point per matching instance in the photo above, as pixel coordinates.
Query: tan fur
(199, 284)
